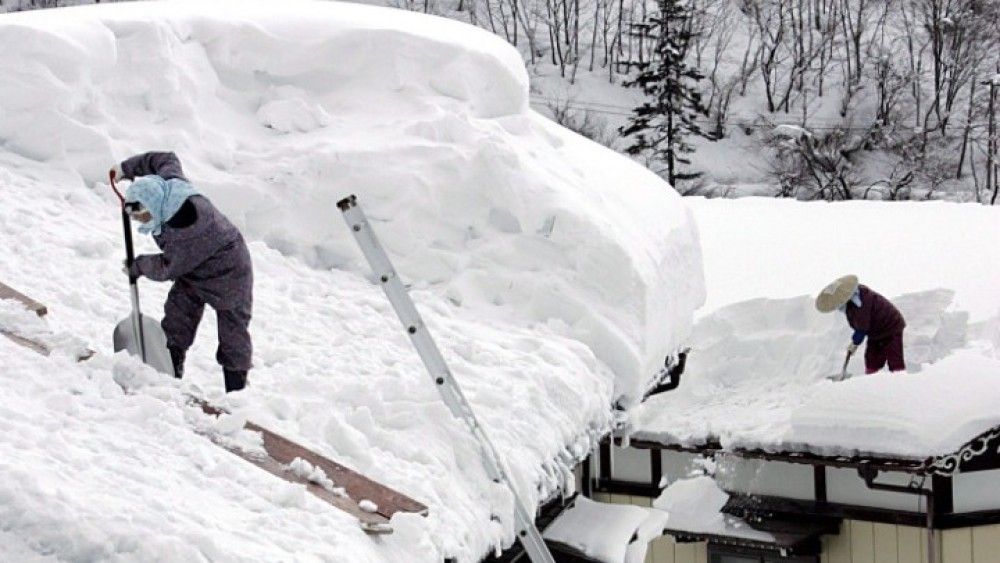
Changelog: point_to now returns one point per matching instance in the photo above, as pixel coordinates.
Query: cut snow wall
(279, 113)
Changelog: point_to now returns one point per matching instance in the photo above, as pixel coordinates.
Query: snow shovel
(843, 371)
(138, 334)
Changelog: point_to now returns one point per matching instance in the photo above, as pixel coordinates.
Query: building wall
(869, 542)
(858, 542)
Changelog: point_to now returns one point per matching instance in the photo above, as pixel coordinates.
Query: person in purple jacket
(203, 254)
(871, 316)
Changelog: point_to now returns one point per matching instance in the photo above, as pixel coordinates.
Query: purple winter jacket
(209, 256)
(877, 317)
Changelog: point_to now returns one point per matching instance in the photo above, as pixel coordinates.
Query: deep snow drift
(756, 374)
(554, 273)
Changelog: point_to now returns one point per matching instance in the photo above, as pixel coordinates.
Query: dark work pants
(889, 350)
(183, 311)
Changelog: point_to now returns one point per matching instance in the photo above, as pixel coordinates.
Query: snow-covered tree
(673, 107)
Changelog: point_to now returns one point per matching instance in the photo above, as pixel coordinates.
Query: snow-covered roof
(755, 377)
(554, 273)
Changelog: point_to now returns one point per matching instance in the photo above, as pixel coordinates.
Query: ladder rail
(437, 367)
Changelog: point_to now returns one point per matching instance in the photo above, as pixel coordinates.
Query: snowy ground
(756, 374)
(555, 274)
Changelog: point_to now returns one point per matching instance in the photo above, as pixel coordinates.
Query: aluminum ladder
(451, 393)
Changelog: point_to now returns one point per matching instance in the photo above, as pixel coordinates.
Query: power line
(623, 111)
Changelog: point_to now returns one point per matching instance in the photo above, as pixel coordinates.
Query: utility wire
(623, 111)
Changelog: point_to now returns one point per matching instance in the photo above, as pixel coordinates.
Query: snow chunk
(314, 474)
(367, 505)
(291, 110)
(605, 532)
(289, 495)
(697, 500)
(694, 505)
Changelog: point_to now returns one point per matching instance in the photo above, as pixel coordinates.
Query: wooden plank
(370, 522)
(886, 544)
(7, 292)
(910, 544)
(39, 347)
(27, 343)
(956, 546)
(838, 547)
(862, 542)
(358, 487)
(986, 544)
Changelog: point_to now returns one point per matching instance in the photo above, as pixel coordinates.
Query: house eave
(980, 453)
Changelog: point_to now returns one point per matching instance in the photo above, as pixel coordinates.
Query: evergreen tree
(662, 123)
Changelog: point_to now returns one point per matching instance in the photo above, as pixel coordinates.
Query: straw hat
(836, 294)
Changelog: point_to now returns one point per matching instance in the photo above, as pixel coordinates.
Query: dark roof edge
(979, 453)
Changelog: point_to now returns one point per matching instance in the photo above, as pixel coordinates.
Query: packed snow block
(279, 112)
(605, 533)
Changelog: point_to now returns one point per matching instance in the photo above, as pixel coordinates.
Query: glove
(852, 348)
(116, 172)
(135, 268)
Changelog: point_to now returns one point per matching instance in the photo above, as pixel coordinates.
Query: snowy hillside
(555, 274)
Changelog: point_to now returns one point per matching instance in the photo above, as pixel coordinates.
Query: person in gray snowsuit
(203, 253)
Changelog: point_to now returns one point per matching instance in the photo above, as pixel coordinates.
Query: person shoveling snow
(204, 254)
(871, 316)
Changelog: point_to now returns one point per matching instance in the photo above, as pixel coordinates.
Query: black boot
(177, 358)
(235, 380)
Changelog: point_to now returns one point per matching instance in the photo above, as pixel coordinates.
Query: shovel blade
(157, 355)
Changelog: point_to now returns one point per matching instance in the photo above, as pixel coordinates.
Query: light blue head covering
(161, 197)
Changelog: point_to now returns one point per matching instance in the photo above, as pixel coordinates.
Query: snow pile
(279, 114)
(934, 412)
(693, 505)
(314, 474)
(756, 376)
(554, 274)
(625, 530)
(699, 498)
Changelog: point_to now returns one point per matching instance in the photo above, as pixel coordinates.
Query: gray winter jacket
(208, 254)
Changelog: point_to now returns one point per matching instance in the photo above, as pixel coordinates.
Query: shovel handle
(137, 330)
(121, 198)
(843, 371)
(127, 229)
